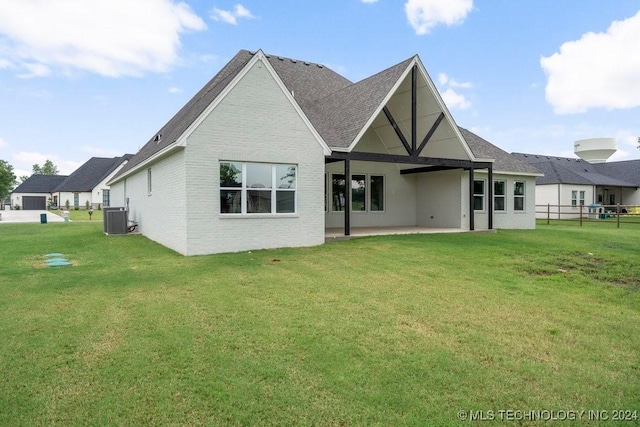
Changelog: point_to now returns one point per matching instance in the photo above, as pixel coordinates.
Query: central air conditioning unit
(114, 221)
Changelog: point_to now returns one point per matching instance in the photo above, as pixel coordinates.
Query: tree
(7, 179)
(48, 168)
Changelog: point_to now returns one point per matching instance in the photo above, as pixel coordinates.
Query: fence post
(581, 206)
(548, 212)
(618, 214)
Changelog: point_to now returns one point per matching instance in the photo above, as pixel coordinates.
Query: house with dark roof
(34, 193)
(88, 184)
(273, 151)
(571, 182)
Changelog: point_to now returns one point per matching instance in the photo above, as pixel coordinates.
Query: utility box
(115, 221)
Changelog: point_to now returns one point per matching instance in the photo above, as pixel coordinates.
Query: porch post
(490, 201)
(471, 210)
(347, 197)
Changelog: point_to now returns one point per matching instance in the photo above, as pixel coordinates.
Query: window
(358, 193)
(76, 199)
(478, 195)
(574, 198)
(377, 193)
(257, 188)
(338, 192)
(582, 198)
(149, 181)
(105, 198)
(518, 196)
(361, 199)
(499, 193)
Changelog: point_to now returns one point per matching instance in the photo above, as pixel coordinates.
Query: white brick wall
(254, 123)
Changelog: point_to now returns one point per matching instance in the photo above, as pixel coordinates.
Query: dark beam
(472, 213)
(426, 169)
(328, 160)
(347, 197)
(395, 127)
(414, 109)
(429, 134)
(414, 160)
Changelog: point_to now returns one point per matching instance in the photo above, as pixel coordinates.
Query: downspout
(347, 198)
(471, 210)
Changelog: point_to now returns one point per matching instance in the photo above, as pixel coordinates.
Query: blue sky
(85, 78)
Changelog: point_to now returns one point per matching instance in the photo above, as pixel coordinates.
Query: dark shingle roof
(504, 162)
(566, 170)
(40, 184)
(340, 116)
(337, 107)
(90, 174)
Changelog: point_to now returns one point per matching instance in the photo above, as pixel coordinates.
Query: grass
(396, 330)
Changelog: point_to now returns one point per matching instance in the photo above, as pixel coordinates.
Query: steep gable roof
(40, 184)
(91, 173)
(341, 115)
(336, 108)
(504, 162)
(566, 170)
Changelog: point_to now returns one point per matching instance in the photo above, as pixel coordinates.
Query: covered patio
(334, 234)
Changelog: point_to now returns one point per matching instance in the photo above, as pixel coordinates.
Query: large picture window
(499, 193)
(257, 188)
(518, 196)
(358, 193)
(478, 195)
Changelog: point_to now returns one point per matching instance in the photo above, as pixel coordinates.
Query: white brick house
(258, 159)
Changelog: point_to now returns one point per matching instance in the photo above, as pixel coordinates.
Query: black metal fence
(620, 214)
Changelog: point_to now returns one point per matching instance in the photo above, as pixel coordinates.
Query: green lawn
(404, 330)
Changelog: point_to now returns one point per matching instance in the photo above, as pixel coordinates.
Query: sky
(82, 79)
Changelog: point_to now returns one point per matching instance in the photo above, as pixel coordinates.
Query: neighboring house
(571, 182)
(87, 184)
(35, 192)
(258, 159)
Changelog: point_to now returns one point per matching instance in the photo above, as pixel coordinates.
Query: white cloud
(174, 90)
(369, 1)
(24, 161)
(107, 37)
(100, 151)
(231, 16)
(600, 70)
(455, 100)
(423, 15)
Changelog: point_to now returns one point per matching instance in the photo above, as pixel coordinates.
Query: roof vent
(157, 138)
(294, 61)
(280, 58)
(306, 63)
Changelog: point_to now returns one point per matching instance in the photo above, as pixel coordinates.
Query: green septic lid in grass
(54, 255)
(58, 263)
(49, 261)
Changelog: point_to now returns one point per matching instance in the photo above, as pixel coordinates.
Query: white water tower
(595, 150)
